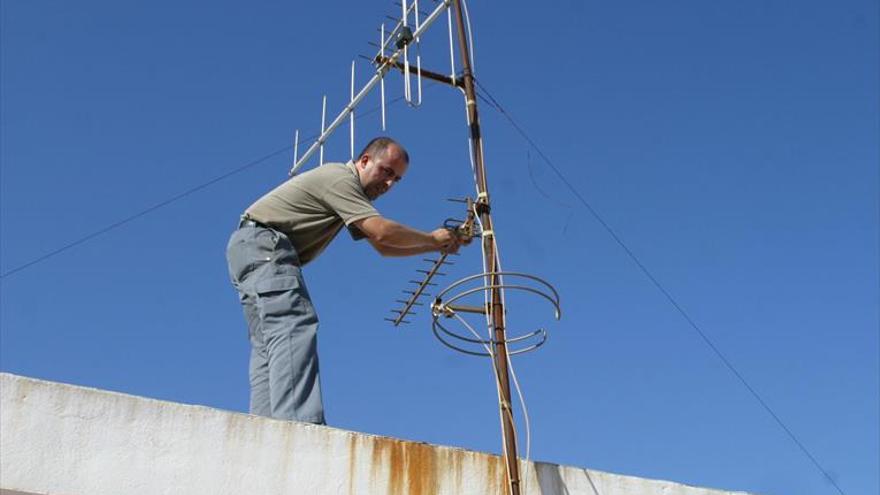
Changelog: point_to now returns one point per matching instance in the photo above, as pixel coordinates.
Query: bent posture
(286, 229)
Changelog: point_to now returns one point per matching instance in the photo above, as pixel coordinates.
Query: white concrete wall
(68, 440)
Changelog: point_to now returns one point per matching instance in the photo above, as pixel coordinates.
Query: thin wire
(657, 284)
(170, 200)
(546, 195)
(146, 211)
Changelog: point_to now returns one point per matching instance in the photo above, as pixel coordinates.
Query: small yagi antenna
(462, 228)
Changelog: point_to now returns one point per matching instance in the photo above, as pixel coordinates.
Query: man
(286, 229)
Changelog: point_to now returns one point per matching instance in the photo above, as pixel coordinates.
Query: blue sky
(732, 146)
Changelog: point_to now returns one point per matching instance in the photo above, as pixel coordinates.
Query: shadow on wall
(550, 480)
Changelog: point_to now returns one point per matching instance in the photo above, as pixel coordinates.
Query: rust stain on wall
(412, 467)
(352, 464)
(452, 461)
(397, 464)
(495, 473)
(421, 469)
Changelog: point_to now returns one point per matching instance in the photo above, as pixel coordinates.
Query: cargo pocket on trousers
(283, 298)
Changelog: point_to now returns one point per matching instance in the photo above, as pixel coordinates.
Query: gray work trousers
(282, 325)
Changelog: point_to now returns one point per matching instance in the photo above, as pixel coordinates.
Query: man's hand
(393, 239)
(446, 240)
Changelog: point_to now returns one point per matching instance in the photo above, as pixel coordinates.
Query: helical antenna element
(473, 344)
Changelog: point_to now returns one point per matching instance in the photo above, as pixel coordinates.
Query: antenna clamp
(404, 37)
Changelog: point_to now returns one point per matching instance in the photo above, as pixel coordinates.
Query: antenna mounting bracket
(404, 37)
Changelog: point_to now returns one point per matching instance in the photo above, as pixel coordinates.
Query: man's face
(379, 173)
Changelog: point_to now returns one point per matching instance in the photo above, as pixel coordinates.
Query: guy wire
(174, 198)
(675, 304)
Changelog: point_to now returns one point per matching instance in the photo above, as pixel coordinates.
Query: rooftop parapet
(65, 439)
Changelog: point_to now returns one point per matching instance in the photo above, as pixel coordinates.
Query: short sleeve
(347, 199)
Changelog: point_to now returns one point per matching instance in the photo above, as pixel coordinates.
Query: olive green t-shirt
(311, 208)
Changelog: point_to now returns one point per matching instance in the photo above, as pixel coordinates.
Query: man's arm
(390, 238)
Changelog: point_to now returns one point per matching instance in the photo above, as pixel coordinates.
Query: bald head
(381, 165)
(385, 147)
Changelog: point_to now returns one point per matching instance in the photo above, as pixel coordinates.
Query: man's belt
(250, 222)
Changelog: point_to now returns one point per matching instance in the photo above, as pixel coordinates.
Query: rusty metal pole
(490, 254)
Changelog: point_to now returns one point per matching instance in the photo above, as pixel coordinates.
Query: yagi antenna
(462, 228)
(402, 38)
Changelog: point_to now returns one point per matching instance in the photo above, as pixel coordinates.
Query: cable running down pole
(496, 307)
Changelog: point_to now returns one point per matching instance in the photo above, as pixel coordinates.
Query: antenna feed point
(437, 308)
(404, 37)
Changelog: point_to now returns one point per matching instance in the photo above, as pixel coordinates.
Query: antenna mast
(448, 304)
(496, 307)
